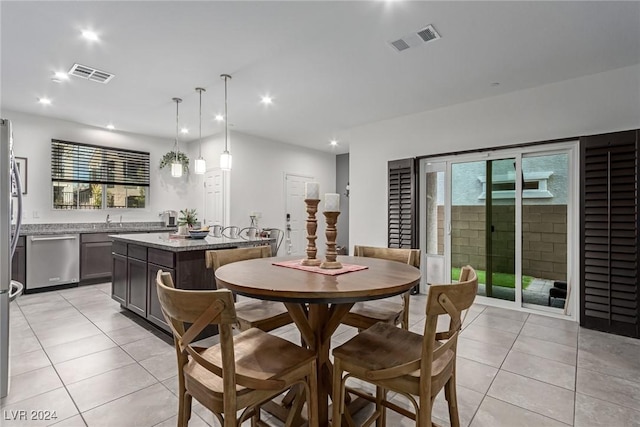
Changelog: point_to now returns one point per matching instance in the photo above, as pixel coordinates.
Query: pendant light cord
(177, 101)
(200, 134)
(226, 117)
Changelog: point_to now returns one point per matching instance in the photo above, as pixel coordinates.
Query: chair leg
(181, 417)
(337, 394)
(452, 400)
(186, 415)
(381, 394)
(405, 312)
(423, 415)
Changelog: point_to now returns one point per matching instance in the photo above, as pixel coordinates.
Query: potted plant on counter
(188, 217)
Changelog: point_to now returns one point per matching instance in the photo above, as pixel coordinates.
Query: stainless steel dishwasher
(52, 260)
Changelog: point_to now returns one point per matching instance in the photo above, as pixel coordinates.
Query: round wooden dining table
(318, 302)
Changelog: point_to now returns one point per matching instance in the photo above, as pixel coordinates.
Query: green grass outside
(505, 280)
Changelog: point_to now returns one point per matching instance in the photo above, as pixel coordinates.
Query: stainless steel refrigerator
(10, 212)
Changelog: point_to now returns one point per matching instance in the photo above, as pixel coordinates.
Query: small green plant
(169, 157)
(188, 217)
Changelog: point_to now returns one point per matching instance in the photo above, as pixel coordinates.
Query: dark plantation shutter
(402, 224)
(610, 295)
(76, 162)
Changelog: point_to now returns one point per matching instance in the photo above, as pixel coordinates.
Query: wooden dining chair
(251, 313)
(407, 363)
(394, 311)
(242, 371)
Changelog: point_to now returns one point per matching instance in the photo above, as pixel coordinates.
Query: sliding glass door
(506, 213)
(545, 205)
(483, 224)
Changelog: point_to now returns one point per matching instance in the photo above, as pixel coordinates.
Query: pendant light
(225, 157)
(200, 166)
(176, 166)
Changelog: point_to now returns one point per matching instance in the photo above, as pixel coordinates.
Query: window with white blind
(86, 176)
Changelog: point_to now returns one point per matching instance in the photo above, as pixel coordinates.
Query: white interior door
(214, 212)
(295, 214)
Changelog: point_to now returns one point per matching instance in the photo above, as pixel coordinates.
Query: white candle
(311, 190)
(332, 202)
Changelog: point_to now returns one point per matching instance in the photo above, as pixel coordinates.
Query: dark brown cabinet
(158, 260)
(154, 311)
(134, 277)
(137, 279)
(19, 262)
(95, 257)
(119, 281)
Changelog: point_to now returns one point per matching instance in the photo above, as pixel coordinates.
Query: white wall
(599, 103)
(257, 176)
(32, 139)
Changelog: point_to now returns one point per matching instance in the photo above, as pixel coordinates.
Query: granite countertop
(163, 241)
(93, 227)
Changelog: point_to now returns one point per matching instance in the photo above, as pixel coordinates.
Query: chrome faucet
(108, 221)
(120, 220)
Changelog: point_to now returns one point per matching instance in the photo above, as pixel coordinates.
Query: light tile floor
(75, 353)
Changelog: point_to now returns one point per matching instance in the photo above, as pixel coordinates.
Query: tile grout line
(55, 370)
(501, 369)
(64, 384)
(575, 394)
(135, 361)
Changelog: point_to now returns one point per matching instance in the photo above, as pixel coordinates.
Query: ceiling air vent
(92, 74)
(400, 45)
(416, 39)
(428, 33)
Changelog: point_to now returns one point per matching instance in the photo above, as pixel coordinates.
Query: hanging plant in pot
(169, 158)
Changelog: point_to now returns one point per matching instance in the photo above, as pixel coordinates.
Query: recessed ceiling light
(184, 130)
(267, 100)
(44, 101)
(219, 117)
(59, 76)
(90, 35)
(110, 126)
(334, 142)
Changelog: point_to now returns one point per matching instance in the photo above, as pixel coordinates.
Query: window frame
(103, 174)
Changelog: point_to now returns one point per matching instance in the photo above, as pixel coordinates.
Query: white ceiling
(327, 64)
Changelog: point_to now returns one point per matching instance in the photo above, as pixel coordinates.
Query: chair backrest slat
(461, 294)
(219, 257)
(187, 306)
(406, 256)
(450, 300)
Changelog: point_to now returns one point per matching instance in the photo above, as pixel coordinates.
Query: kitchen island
(136, 259)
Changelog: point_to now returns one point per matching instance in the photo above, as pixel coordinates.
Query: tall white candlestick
(332, 202)
(311, 190)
